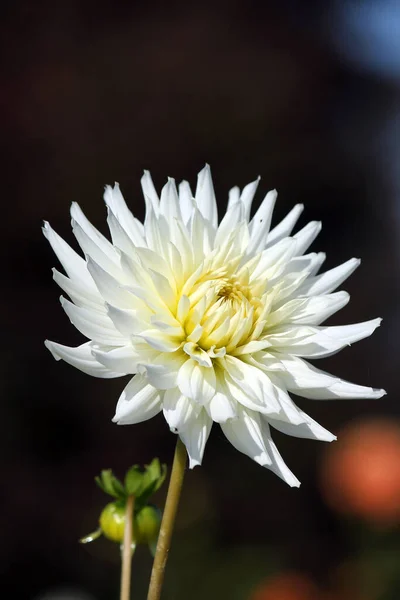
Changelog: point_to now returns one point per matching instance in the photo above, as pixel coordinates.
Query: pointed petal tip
(374, 324)
(74, 208)
(51, 348)
(193, 463)
(46, 229)
(117, 419)
(205, 170)
(317, 225)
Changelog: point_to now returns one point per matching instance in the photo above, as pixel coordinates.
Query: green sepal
(152, 479)
(134, 481)
(110, 484)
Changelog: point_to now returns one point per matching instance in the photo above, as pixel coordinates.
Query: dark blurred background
(306, 95)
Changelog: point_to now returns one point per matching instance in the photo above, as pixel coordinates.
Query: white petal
(91, 232)
(309, 311)
(222, 407)
(258, 392)
(195, 435)
(309, 262)
(162, 371)
(250, 347)
(122, 360)
(198, 354)
(279, 253)
(169, 201)
(150, 260)
(119, 236)
(233, 195)
(178, 410)
(284, 228)
(186, 201)
(342, 389)
(232, 217)
(250, 434)
(319, 342)
(247, 196)
(112, 289)
(201, 236)
(306, 380)
(289, 413)
(152, 231)
(305, 237)
(260, 224)
(309, 429)
(330, 280)
(80, 294)
(205, 196)
(160, 340)
(267, 362)
(245, 434)
(149, 192)
(108, 261)
(165, 290)
(160, 376)
(196, 382)
(138, 402)
(93, 325)
(81, 358)
(73, 264)
(278, 466)
(115, 201)
(127, 322)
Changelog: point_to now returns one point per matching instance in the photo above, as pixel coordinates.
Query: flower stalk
(167, 523)
(126, 553)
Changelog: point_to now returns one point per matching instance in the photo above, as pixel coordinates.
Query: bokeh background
(305, 94)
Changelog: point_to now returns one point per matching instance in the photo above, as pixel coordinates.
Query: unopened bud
(112, 522)
(147, 525)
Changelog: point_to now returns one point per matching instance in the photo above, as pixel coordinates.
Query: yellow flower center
(224, 315)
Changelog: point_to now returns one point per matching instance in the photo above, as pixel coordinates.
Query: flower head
(214, 322)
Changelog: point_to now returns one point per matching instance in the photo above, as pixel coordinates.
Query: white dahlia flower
(213, 322)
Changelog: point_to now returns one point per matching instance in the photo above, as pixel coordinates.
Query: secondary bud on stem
(146, 518)
(112, 521)
(146, 523)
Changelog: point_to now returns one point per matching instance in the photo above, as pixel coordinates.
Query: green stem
(167, 523)
(127, 550)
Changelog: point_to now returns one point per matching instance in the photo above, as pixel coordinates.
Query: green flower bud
(147, 525)
(112, 522)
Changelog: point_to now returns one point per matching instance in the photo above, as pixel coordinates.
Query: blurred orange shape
(360, 474)
(287, 586)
